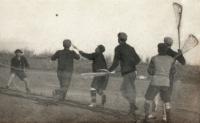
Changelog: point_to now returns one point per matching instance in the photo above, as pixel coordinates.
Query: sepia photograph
(99, 61)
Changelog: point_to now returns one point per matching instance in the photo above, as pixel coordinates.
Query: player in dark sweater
(126, 56)
(65, 68)
(99, 83)
(18, 65)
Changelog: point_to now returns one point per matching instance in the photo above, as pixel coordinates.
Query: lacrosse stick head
(189, 43)
(178, 12)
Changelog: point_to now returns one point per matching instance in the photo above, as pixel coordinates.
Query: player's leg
(65, 83)
(100, 91)
(103, 98)
(166, 97)
(10, 80)
(151, 92)
(27, 86)
(22, 75)
(129, 92)
(58, 93)
(93, 92)
(155, 103)
(102, 84)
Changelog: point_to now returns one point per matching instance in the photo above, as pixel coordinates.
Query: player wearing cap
(126, 56)
(99, 83)
(18, 65)
(159, 68)
(169, 42)
(65, 68)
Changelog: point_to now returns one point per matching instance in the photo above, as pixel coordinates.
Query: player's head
(100, 49)
(18, 52)
(122, 37)
(162, 49)
(67, 43)
(168, 41)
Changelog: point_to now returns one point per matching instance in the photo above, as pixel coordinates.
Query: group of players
(161, 69)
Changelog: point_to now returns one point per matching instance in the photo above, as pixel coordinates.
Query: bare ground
(185, 108)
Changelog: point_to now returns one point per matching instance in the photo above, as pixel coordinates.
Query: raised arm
(181, 58)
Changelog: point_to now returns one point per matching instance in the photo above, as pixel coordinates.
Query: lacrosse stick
(76, 48)
(178, 14)
(102, 72)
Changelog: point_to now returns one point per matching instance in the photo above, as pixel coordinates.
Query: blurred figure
(65, 68)
(126, 56)
(99, 83)
(18, 65)
(159, 68)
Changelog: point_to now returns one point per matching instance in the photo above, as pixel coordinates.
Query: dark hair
(122, 36)
(101, 48)
(162, 48)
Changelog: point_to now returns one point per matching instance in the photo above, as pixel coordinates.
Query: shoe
(59, 95)
(164, 118)
(149, 119)
(92, 105)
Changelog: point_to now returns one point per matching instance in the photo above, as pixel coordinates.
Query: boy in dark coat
(65, 68)
(126, 56)
(18, 65)
(99, 83)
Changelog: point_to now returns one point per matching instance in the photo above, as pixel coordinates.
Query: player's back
(162, 66)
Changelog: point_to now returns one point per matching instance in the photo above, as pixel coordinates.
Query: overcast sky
(33, 24)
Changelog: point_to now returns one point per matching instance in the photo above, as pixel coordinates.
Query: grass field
(43, 81)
